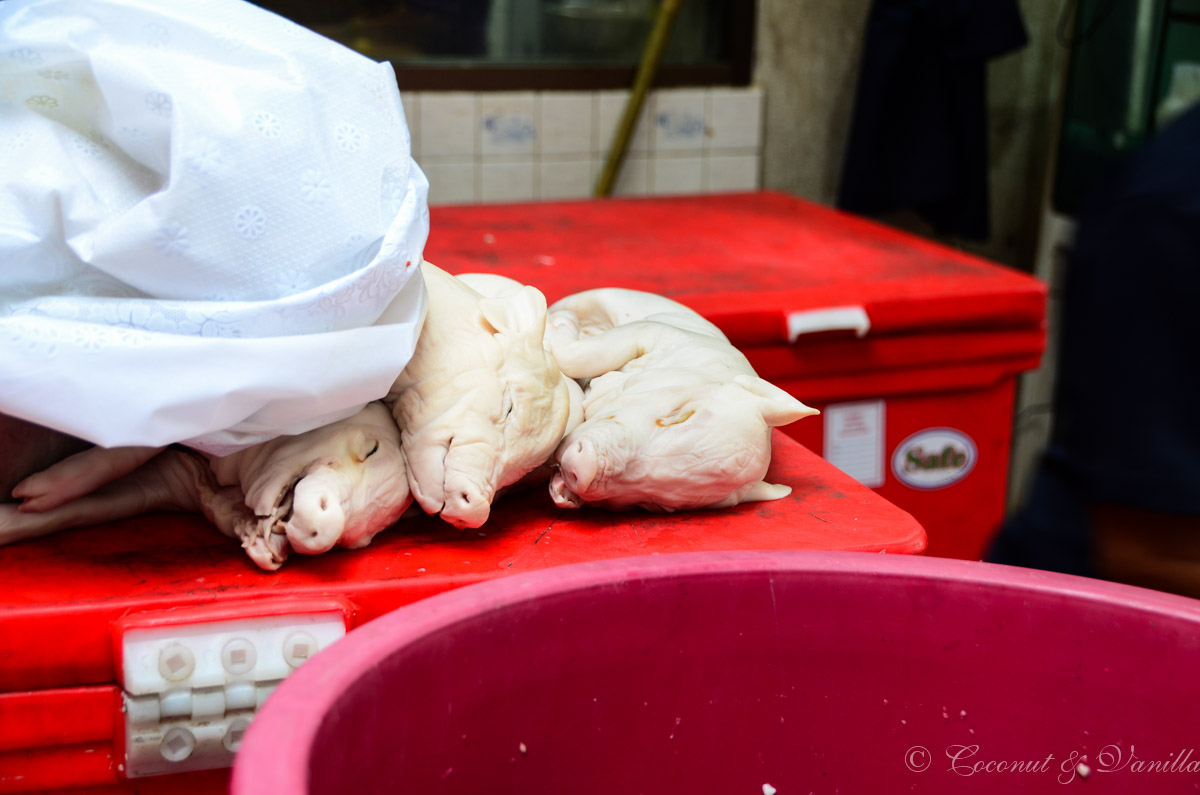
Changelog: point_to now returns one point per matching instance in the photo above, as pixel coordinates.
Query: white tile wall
(449, 125)
(522, 146)
(723, 173)
(735, 118)
(450, 181)
(412, 115)
(506, 124)
(681, 122)
(675, 176)
(565, 177)
(506, 181)
(610, 107)
(567, 126)
(634, 177)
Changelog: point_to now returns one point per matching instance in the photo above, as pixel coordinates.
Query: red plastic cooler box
(910, 349)
(752, 672)
(132, 653)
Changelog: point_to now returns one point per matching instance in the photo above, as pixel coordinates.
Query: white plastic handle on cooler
(833, 318)
(192, 688)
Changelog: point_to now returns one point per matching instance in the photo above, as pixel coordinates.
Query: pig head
(337, 485)
(482, 403)
(675, 417)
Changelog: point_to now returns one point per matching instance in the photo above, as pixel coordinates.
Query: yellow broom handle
(641, 84)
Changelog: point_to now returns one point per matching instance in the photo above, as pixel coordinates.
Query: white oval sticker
(934, 458)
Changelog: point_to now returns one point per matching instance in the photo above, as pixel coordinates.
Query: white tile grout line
(706, 144)
(539, 129)
(650, 108)
(478, 147)
(594, 145)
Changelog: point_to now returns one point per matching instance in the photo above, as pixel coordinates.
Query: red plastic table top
(62, 593)
(743, 260)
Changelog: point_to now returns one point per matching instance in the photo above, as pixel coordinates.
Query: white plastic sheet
(210, 223)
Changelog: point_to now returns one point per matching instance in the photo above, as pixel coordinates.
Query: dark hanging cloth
(919, 135)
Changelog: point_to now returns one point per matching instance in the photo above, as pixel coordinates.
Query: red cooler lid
(753, 263)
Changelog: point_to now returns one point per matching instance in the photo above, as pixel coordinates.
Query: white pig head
(481, 403)
(337, 485)
(668, 444)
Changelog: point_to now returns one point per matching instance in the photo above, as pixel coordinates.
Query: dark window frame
(482, 76)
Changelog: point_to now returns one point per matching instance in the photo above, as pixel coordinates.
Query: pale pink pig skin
(338, 485)
(675, 418)
(349, 480)
(482, 403)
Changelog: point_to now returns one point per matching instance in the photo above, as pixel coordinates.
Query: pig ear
(763, 491)
(523, 312)
(776, 406)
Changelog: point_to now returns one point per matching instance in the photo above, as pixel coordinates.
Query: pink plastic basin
(787, 672)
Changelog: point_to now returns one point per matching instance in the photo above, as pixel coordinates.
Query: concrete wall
(806, 60)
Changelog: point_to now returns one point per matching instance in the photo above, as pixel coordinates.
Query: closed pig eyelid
(371, 446)
(676, 417)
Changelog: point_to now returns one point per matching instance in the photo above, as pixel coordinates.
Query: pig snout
(318, 519)
(466, 504)
(471, 472)
(579, 463)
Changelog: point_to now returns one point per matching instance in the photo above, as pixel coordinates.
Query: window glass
(476, 33)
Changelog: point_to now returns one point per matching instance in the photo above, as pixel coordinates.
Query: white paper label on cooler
(934, 458)
(854, 439)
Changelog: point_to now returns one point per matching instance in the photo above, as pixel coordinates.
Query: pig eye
(374, 450)
(506, 408)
